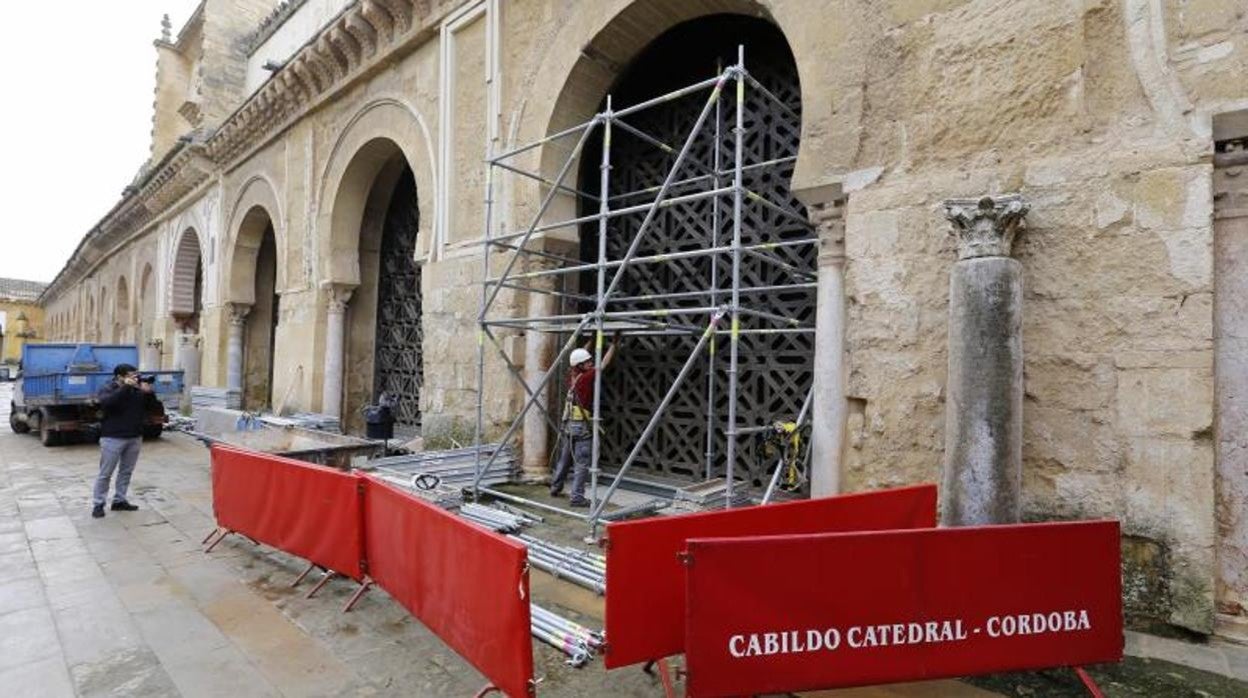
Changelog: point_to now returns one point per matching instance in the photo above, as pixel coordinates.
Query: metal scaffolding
(706, 314)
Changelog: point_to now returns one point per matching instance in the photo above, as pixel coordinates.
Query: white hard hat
(579, 356)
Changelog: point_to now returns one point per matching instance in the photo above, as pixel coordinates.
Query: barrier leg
(211, 533)
(1088, 682)
(665, 674)
(302, 575)
(224, 533)
(329, 574)
(486, 690)
(356, 596)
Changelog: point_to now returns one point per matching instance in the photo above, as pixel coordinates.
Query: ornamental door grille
(399, 342)
(775, 370)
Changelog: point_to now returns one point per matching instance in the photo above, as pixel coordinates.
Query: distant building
(21, 316)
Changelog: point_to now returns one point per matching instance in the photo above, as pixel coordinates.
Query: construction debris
(226, 398)
(305, 420)
(575, 640)
(580, 567)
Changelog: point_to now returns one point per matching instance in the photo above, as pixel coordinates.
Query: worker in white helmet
(578, 415)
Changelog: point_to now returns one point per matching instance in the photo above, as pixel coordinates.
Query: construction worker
(578, 416)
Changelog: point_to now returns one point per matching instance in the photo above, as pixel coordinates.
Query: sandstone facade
(1103, 114)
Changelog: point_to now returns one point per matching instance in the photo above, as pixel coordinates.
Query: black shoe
(579, 503)
(556, 493)
(97, 511)
(124, 506)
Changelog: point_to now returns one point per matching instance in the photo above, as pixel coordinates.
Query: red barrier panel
(304, 509)
(790, 613)
(645, 580)
(468, 585)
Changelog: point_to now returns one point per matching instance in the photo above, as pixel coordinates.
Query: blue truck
(57, 384)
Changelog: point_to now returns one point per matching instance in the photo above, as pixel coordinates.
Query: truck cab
(57, 384)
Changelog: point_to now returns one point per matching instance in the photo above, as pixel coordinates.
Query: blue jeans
(577, 451)
(113, 453)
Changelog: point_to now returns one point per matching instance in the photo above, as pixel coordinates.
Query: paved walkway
(129, 605)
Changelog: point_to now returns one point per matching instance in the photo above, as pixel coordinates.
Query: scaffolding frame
(724, 305)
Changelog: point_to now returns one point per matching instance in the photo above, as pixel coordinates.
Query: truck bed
(81, 388)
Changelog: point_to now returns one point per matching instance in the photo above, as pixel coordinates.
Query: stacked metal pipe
(580, 567)
(575, 640)
(493, 519)
(456, 466)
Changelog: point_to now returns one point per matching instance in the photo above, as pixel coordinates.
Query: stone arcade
(299, 148)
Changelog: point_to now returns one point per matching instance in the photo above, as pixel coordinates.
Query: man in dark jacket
(124, 401)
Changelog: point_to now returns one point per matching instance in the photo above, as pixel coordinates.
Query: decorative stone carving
(829, 220)
(337, 296)
(986, 227)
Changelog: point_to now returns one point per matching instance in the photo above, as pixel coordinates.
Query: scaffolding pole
(718, 309)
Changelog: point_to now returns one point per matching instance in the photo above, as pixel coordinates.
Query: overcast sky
(76, 120)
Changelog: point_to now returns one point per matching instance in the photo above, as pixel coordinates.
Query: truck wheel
(18, 426)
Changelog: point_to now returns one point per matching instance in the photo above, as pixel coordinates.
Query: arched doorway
(384, 337)
(147, 306)
(121, 315)
(775, 370)
(186, 301)
(103, 322)
(253, 284)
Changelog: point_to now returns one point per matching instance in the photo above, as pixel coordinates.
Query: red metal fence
(645, 580)
(789, 613)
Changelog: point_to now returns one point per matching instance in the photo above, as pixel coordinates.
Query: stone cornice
(271, 24)
(362, 38)
(365, 35)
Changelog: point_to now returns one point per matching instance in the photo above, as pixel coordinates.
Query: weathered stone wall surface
(1054, 101)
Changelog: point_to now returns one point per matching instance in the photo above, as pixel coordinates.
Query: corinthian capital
(986, 227)
(337, 296)
(238, 313)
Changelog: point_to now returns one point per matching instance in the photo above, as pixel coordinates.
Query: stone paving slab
(129, 605)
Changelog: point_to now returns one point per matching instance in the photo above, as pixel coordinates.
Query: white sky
(75, 122)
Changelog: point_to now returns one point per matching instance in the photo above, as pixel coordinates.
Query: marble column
(234, 346)
(336, 298)
(982, 471)
(828, 406)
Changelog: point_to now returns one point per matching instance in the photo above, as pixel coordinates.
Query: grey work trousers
(577, 451)
(116, 452)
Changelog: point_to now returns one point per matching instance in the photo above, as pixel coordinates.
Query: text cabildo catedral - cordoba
(912, 633)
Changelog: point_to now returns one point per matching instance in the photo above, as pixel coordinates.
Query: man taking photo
(124, 401)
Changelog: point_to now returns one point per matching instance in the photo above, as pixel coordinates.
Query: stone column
(150, 358)
(828, 405)
(234, 346)
(539, 349)
(336, 298)
(982, 473)
(1230, 342)
(186, 359)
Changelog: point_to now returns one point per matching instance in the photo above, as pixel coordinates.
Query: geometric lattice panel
(398, 365)
(775, 370)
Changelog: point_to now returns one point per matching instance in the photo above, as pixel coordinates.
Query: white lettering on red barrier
(912, 633)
